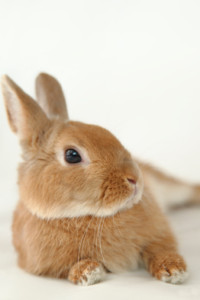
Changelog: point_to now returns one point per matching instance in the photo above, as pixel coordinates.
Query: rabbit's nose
(131, 180)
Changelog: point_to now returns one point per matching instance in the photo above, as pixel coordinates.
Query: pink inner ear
(12, 108)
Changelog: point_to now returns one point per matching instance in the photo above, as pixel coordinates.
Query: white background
(130, 66)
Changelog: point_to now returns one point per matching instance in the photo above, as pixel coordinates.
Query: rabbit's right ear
(50, 96)
(25, 116)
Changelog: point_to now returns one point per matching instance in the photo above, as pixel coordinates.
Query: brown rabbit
(86, 206)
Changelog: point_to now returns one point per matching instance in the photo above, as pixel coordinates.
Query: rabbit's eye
(72, 156)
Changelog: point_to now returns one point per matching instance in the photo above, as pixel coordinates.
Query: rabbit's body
(86, 206)
(52, 247)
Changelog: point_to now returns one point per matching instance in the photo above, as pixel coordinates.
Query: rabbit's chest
(59, 244)
(115, 245)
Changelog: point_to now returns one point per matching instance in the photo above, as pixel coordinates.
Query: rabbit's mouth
(127, 203)
(133, 199)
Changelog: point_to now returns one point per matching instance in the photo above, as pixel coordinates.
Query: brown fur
(73, 218)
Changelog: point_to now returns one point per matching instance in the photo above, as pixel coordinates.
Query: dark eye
(72, 156)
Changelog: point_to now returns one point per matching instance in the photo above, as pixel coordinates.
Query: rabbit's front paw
(86, 272)
(169, 267)
(175, 276)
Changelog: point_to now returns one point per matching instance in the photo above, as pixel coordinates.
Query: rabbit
(87, 206)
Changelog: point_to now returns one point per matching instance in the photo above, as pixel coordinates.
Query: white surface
(130, 66)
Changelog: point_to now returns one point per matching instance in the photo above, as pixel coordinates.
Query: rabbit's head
(69, 169)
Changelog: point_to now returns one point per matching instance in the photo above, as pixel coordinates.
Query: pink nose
(131, 180)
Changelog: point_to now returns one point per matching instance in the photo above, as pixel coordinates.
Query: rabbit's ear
(25, 116)
(50, 96)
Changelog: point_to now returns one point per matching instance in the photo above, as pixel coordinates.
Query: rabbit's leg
(168, 191)
(164, 263)
(86, 272)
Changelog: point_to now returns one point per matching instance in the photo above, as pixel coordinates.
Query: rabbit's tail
(169, 192)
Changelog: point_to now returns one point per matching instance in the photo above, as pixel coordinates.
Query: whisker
(96, 239)
(100, 240)
(83, 238)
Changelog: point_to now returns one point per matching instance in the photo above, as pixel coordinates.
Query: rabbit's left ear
(50, 96)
